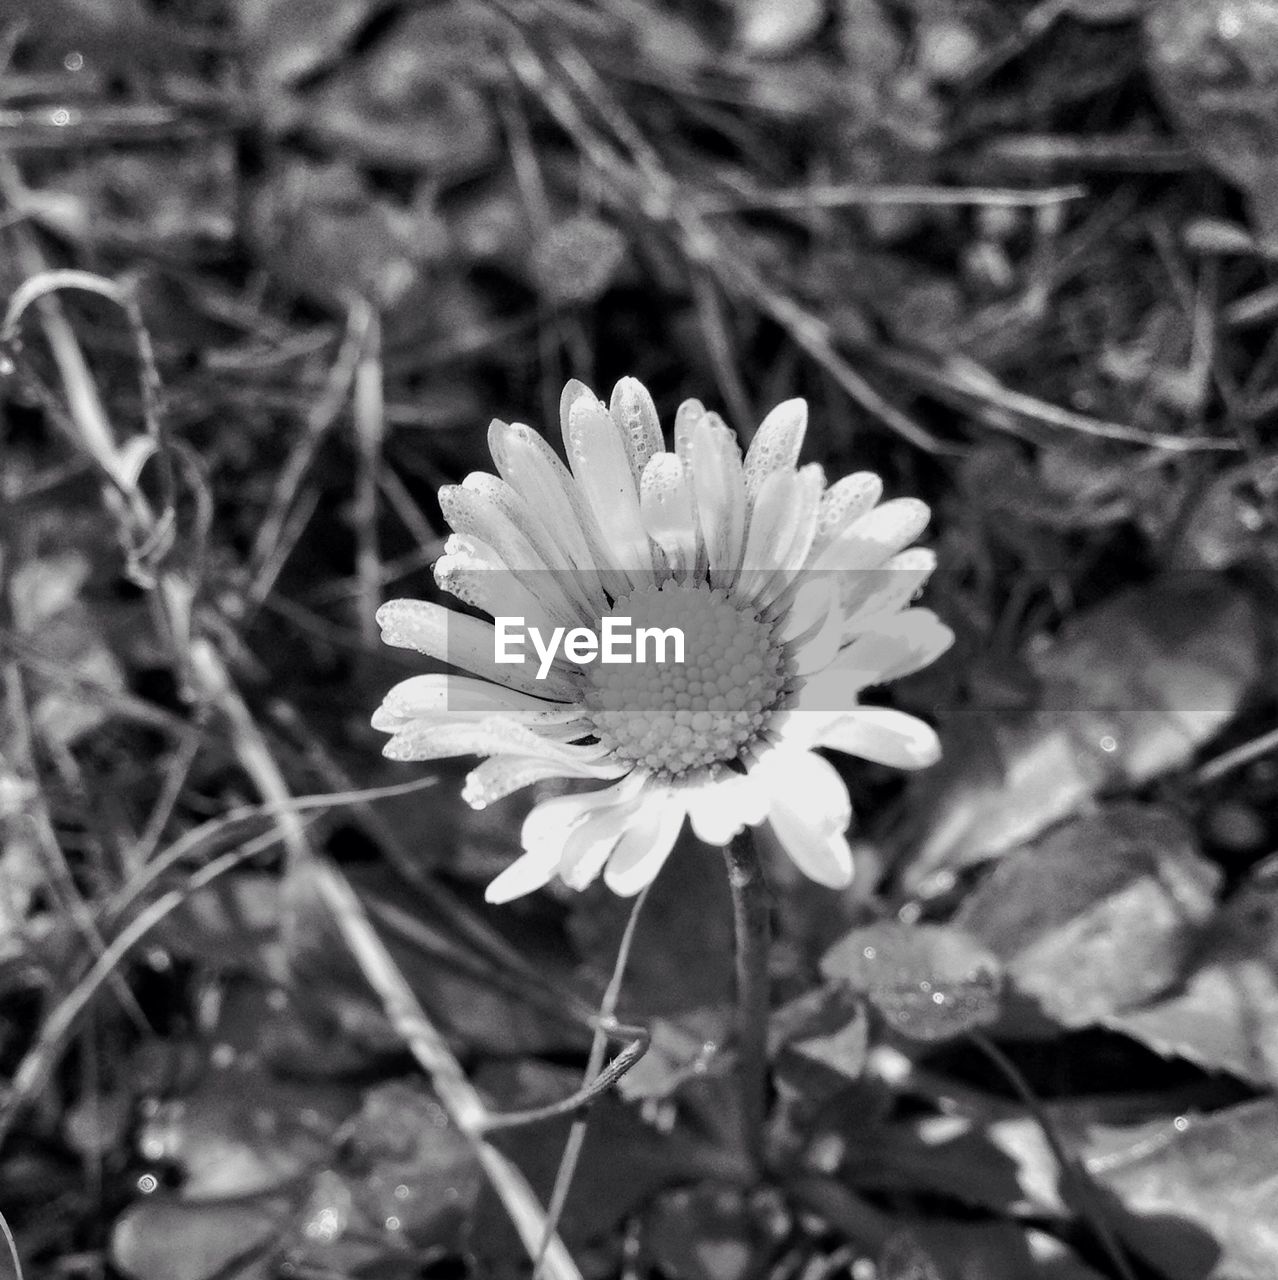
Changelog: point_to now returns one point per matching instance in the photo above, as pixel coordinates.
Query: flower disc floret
(670, 717)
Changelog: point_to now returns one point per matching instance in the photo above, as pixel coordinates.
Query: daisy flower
(792, 597)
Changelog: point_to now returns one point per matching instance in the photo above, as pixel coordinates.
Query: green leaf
(1126, 692)
(1203, 1193)
(681, 1048)
(164, 1239)
(1225, 1015)
(1100, 914)
(930, 982)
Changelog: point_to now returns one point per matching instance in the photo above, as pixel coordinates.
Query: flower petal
(438, 694)
(809, 810)
(870, 594)
(646, 844)
(465, 642)
(669, 513)
(770, 518)
(721, 806)
(533, 469)
(884, 736)
(636, 418)
(827, 859)
(901, 643)
(814, 648)
(494, 590)
(495, 736)
(894, 646)
(807, 781)
(719, 485)
(874, 537)
(776, 444)
(528, 873)
(499, 776)
(601, 466)
(591, 843)
(791, 537)
(688, 414)
(486, 508)
(846, 500)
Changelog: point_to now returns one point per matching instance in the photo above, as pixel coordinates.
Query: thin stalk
(752, 926)
(1073, 1173)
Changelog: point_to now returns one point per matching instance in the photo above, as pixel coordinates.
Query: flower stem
(752, 925)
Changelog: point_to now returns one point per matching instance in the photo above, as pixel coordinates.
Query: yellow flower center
(671, 716)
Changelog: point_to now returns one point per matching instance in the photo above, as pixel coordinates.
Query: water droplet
(147, 1183)
(325, 1226)
(392, 1223)
(403, 1191)
(60, 117)
(925, 986)
(152, 1147)
(1109, 743)
(1180, 1124)
(74, 61)
(938, 997)
(869, 953)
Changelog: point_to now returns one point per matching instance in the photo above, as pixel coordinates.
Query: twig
(837, 195)
(719, 344)
(61, 882)
(577, 1134)
(34, 1070)
(1236, 757)
(584, 1096)
(752, 929)
(459, 1097)
(968, 380)
(254, 755)
(197, 840)
(319, 419)
(646, 184)
(370, 432)
(12, 1247)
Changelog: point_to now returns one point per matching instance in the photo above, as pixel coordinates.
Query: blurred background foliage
(1018, 254)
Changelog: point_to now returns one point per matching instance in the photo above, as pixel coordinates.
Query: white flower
(792, 596)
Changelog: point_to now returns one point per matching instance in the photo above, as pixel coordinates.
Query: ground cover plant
(269, 270)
